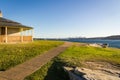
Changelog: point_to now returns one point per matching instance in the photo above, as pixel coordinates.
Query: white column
(6, 35)
(21, 30)
(32, 31)
(25, 33)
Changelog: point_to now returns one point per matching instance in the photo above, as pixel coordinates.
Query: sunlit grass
(75, 56)
(13, 54)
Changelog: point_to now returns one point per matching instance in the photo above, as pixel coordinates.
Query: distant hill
(114, 37)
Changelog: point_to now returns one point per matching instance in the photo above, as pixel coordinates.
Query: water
(112, 43)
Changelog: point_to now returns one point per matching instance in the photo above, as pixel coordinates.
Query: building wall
(0, 30)
(14, 35)
(1, 14)
(13, 31)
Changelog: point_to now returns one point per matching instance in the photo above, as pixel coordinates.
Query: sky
(65, 18)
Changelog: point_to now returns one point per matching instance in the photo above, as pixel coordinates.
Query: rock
(89, 74)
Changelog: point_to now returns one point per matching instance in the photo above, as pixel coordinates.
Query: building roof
(9, 23)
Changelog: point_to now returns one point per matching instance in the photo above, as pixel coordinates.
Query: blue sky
(65, 18)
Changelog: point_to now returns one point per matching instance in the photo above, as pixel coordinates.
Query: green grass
(13, 54)
(75, 56)
(42, 72)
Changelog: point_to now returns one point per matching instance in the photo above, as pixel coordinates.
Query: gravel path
(21, 71)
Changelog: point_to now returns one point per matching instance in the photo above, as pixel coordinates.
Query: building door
(2, 30)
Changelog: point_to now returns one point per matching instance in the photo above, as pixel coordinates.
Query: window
(2, 30)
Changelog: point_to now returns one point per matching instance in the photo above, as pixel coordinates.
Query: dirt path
(21, 71)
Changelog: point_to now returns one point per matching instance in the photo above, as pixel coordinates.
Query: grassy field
(13, 54)
(75, 56)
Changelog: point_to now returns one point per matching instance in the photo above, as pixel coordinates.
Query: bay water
(112, 43)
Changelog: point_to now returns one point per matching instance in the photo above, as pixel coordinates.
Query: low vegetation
(75, 56)
(13, 54)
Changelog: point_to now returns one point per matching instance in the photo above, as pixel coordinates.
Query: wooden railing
(27, 38)
(2, 38)
(15, 38)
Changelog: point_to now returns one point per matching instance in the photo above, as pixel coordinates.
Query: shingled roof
(9, 23)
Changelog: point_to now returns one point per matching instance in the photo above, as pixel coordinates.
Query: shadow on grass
(56, 71)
